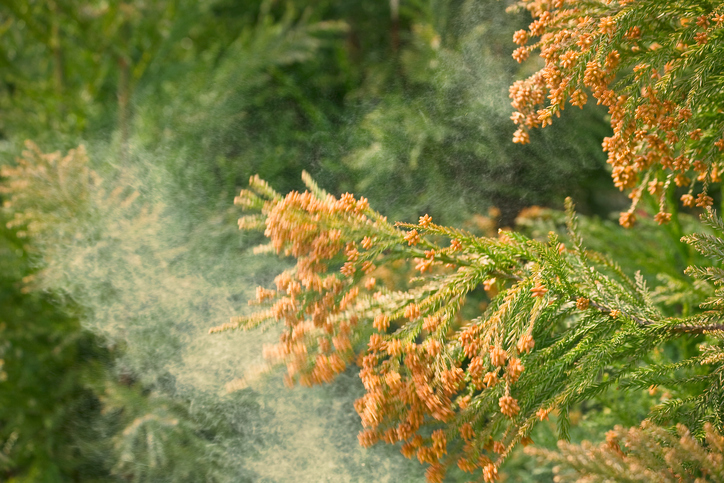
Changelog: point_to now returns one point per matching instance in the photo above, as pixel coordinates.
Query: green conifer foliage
(566, 325)
(464, 343)
(656, 66)
(648, 453)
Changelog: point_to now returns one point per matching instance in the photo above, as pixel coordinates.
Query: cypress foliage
(648, 453)
(656, 66)
(561, 325)
(564, 324)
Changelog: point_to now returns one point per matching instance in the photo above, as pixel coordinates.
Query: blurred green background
(106, 373)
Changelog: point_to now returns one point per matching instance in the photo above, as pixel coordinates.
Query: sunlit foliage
(463, 342)
(566, 324)
(644, 454)
(656, 66)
